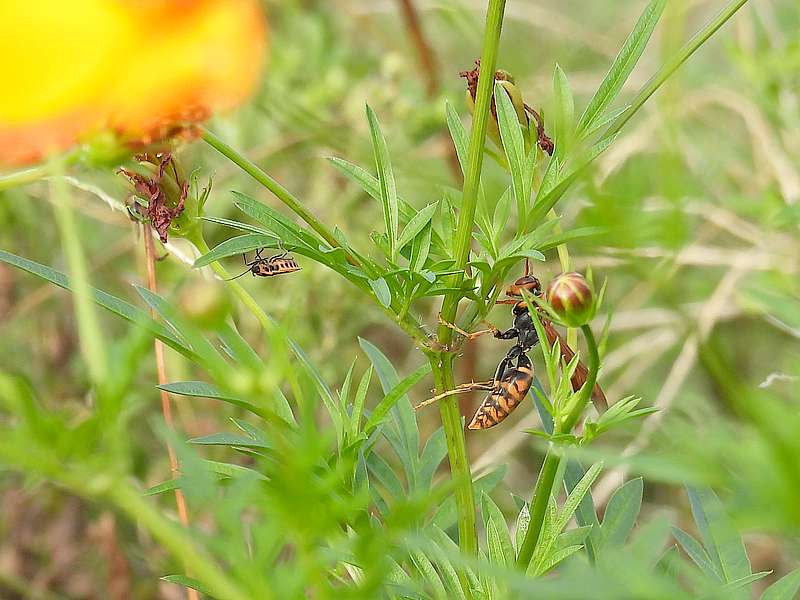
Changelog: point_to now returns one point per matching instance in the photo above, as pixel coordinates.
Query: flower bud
(571, 299)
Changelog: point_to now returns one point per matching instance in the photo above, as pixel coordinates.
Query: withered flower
(523, 110)
(164, 192)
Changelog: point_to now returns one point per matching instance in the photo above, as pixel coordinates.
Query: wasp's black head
(528, 283)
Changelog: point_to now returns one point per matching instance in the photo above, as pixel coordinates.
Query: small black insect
(268, 266)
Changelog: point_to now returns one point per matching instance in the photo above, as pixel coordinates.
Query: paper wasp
(268, 266)
(512, 383)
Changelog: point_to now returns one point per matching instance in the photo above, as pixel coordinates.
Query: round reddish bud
(572, 299)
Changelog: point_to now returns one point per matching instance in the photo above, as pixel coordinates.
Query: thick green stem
(544, 485)
(442, 364)
(672, 65)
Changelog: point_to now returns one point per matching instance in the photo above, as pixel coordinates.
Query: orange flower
(139, 68)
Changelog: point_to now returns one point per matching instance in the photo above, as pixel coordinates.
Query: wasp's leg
(508, 334)
(470, 336)
(464, 388)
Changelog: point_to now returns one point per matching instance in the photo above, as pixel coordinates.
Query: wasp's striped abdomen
(505, 397)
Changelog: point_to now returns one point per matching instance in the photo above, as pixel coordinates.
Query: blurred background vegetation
(699, 202)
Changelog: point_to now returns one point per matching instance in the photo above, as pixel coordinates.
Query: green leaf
(523, 521)
(623, 64)
(742, 582)
(229, 439)
(396, 393)
(382, 292)
(622, 512)
(459, 135)
(237, 225)
(498, 539)
(211, 358)
(403, 416)
(386, 180)
(585, 514)
(514, 146)
(283, 227)
(369, 183)
(385, 475)
(416, 224)
(358, 401)
(564, 113)
(432, 456)
(697, 553)
(188, 582)
(119, 307)
(784, 589)
(201, 389)
(546, 197)
(238, 245)
(556, 557)
(722, 542)
(420, 249)
(425, 568)
(575, 497)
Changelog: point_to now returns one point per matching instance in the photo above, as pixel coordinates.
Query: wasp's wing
(581, 372)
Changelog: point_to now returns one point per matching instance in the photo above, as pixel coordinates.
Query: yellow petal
(73, 69)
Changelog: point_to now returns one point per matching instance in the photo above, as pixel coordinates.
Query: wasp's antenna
(237, 277)
(527, 267)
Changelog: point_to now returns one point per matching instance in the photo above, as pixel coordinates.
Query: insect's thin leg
(470, 336)
(258, 252)
(244, 259)
(237, 277)
(464, 388)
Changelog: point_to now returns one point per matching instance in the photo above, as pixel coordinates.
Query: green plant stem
(91, 338)
(544, 485)
(442, 363)
(413, 329)
(672, 65)
(280, 192)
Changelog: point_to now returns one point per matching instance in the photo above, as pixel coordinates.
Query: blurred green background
(699, 199)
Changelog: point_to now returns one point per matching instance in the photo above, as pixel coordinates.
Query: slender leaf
(415, 225)
(386, 180)
(785, 588)
(622, 512)
(564, 113)
(697, 553)
(119, 307)
(623, 64)
(498, 539)
(721, 539)
(514, 146)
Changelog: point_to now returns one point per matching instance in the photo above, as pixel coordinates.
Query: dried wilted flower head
(523, 111)
(79, 70)
(164, 192)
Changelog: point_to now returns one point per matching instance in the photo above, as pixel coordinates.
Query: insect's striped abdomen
(505, 397)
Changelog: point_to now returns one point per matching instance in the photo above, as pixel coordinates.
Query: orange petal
(81, 67)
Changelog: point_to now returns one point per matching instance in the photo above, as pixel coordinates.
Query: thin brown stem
(166, 406)
(426, 56)
(430, 67)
